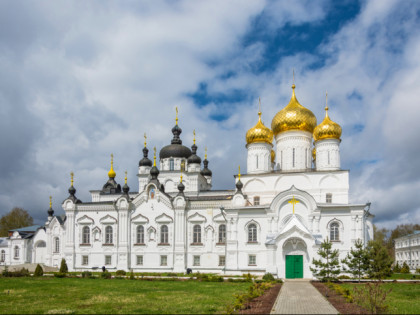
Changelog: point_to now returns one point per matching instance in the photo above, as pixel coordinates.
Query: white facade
(407, 250)
(168, 226)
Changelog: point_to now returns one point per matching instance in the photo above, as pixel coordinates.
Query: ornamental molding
(196, 217)
(85, 220)
(164, 218)
(108, 220)
(140, 219)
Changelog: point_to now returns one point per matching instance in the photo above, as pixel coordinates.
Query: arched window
(197, 234)
(56, 245)
(252, 233)
(334, 233)
(16, 254)
(140, 234)
(256, 159)
(164, 234)
(86, 235)
(222, 233)
(171, 164)
(3, 256)
(108, 235)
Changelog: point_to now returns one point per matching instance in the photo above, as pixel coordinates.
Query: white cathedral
(292, 198)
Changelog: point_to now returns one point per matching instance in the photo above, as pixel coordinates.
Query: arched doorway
(40, 252)
(295, 257)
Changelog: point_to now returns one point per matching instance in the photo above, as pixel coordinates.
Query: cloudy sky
(81, 80)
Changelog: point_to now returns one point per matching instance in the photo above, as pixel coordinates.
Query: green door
(294, 266)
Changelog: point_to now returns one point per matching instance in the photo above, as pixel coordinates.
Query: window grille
(164, 234)
(3, 256)
(108, 235)
(108, 260)
(86, 235)
(252, 260)
(222, 260)
(56, 245)
(196, 261)
(85, 260)
(197, 234)
(334, 232)
(222, 233)
(140, 234)
(139, 260)
(252, 233)
(16, 256)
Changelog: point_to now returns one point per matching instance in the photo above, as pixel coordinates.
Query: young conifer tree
(63, 266)
(327, 268)
(379, 264)
(357, 260)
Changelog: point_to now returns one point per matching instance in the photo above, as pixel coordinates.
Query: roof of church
(32, 228)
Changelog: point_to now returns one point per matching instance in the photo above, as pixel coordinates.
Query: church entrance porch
(294, 266)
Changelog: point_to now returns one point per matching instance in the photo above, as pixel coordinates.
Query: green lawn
(405, 276)
(404, 298)
(75, 295)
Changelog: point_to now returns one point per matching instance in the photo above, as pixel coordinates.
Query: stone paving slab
(301, 297)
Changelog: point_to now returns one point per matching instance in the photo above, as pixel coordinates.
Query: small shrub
(106, 275)
(248, 277)
(397, 268)
(5, 272)
(343, 277)
(132, 275)
(268, 277)
(405, 268)
(63, 266)
(38, 271)
(86, 274)
(59, 275)
(215, 278)
(372, 297)
(120, 273)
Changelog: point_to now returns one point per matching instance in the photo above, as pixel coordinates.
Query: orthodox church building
(293, 196)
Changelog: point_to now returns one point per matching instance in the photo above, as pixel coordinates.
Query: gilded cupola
(259, 133)
(327, 129)
(293, 117)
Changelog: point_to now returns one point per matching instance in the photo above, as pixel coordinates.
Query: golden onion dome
(111, 173)
(327, 129)
(273, 156)
(259, 133)
(293, 117)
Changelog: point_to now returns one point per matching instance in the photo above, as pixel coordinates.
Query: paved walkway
(301, 297)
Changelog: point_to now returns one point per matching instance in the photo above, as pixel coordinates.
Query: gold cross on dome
(293, 201)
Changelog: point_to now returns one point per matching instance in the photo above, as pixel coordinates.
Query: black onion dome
(175, 149)
(239, 186)
(205, 171)
(145, 161)
(126, 189)
(194, 158)
(154, 172)
(111, 187)
(72, 196)
(50, 212)
(181, 187)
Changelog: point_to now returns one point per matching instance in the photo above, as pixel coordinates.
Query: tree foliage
(405, 268)
(379, 261)
(326, 268)
(356, 260)
(15, 219)
(38, 271)
(63, 266)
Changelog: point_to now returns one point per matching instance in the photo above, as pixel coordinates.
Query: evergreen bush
(405, 268)
(328, 267)
(120, 273)
(86, 274)
(38, 271)
(106, 275)
(268, 277)
(63, 266)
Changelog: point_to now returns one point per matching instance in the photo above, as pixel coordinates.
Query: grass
(47, 295)
(404, 276)
(404, 298)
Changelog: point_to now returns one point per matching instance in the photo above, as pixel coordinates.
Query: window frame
(328, 198)
(16, 252)
(197, 234)
(140, 234)
(85, 260)
(334, 232)
(252, 234)
(86, 235)
(252, 260)
(56, 245)
(164, 260)
(171, 164)
(108, 257)
(139, 260)
(3, 256)
(222, 258)
(222, 234)
(164, 235)
(109, 235)
(196, 260)
(257, 200)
